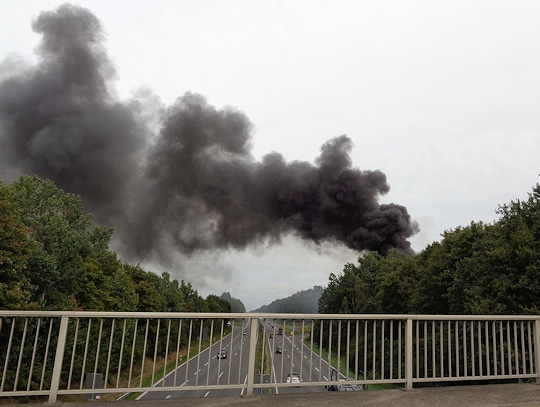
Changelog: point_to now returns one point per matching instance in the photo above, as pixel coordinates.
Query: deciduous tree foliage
(14, 246)
(476, 269)
(53, 257)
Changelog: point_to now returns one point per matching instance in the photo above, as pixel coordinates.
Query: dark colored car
(279, 349)
(222, 354)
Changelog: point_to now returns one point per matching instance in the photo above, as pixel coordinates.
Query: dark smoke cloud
(191, 186)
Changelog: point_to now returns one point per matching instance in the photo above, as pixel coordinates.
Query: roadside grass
(262, 365)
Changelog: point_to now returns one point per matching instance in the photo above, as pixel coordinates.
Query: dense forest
(476, 269)
(52, 257)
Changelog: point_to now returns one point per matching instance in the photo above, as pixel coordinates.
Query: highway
(295, 357)
(206, 368)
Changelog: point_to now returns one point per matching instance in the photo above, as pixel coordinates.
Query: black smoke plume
(190, 186)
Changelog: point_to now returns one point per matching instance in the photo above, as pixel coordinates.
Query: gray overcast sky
(441, 96)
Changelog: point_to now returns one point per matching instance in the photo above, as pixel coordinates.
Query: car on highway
(279, 349)
(293, 378)
(338, 384)
(222, 354)
(271, 336)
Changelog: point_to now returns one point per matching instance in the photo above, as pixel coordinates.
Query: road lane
(206, 368)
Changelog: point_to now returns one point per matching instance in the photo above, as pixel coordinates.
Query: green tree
(14, 246)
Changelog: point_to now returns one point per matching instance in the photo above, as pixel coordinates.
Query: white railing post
(253, 327)
(58, 359)
(537, 349)
(408, 354)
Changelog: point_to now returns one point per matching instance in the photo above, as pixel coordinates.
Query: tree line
(482, 268)
(53, 257)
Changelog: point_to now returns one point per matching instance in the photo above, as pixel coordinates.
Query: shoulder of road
(514, 395)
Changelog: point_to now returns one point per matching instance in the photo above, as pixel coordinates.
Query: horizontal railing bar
(490, 377)
(277, 316)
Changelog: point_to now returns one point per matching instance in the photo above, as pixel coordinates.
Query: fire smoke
(191, 186)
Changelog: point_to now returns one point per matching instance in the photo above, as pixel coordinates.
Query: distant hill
(236, 304)
(303, 302)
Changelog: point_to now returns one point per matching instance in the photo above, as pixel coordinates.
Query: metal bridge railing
(52, 354)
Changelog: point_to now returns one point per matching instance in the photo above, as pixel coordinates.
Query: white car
(293, 378)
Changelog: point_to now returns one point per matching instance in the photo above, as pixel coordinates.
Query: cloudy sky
(442, 97)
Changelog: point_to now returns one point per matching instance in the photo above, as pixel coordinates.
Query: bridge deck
(460, 396)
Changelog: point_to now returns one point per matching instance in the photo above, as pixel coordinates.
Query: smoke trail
(194, 185)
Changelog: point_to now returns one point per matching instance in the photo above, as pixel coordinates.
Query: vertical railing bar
(283, 331)
(301, 349)
(169, 326)
(409, 354)
(58, 358)
(147, 328)
(391, 349)
(417, 347)
(495, 348)
(465, 364)
(31, 370)
(365, 347)
(356, 350)
(21, 351)
(523, 353)
(98, 347)
(10, 341)
(348, 347)
(253, 329)
(488, 358)
(199, 352)
(165, 362)
(178, 343)
(425, 323)
(382, 348)
(134, 342)
(530, 344)
(501, 347)
(433, 348)
(263, 347)
(109, 353)
(481, 367)
(320, 348)
(508, 349)
(399, 349)
(45, 357)
(85, 352)
(169, 322)
(121, 352)
(537, 349)
(221, 341)
(312, 327)
(449, 344)
(516, 347)
(239, 373)
(473, 358)
(441, 347)
(73, 353)
(330, 323)
(338, 350)
(189, 347)
(292, 340)
(374, 350)
(158, 327)
(211, 341)
(456, 343)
